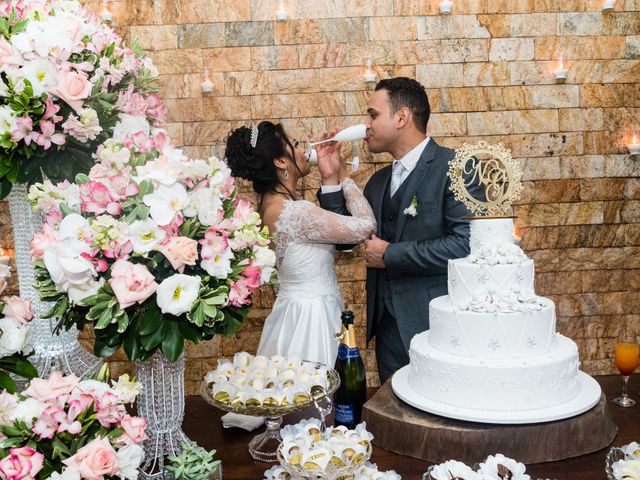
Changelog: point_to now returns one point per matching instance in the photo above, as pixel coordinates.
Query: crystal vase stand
(162, 404)
(60, 352)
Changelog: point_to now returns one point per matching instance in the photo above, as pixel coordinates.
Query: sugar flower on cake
(453, 469)
(150, 247)
(65, 428)
(632, 450)
(497, 254)
(499, 467)
(68, 83)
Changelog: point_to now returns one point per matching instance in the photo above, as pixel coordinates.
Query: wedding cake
(492, 353)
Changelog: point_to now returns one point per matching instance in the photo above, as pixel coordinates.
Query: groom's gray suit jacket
(416, 259)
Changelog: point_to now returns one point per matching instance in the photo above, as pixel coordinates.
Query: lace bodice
(302, 221)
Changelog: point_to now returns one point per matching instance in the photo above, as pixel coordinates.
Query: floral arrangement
(150, 247)
(627, 467)
(15, 336)
(67, 83)
(193, 463)
(62, 428)
(495, 467)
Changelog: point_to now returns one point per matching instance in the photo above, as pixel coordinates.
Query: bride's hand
(329, 161)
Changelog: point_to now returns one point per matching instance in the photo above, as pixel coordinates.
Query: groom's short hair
(407, 92)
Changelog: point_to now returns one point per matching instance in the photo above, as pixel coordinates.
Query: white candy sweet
(242, 359)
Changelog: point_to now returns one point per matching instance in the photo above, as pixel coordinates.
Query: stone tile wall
(489, 70)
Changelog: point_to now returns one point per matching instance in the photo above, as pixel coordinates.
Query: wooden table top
(202, 424)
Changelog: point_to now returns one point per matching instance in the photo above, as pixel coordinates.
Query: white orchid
(40, 72)
(266, 258)
(166, 202)
(206, 204)
(176, 294)
(219, 266)
(145, 235)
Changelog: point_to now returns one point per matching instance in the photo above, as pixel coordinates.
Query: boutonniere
(413, 208)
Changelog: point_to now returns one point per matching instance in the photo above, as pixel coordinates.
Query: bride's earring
(286, 174)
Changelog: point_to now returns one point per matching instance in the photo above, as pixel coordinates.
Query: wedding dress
(306, 314)
(305, 317)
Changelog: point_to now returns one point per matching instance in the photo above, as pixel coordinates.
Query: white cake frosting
(492, 343)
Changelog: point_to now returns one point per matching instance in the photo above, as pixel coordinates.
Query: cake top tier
(492, 242)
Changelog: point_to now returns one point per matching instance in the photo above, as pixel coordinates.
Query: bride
(306, 314)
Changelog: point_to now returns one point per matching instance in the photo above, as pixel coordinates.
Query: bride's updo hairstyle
(256, 164)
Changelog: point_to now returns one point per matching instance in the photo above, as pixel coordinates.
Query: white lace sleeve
(302, 220)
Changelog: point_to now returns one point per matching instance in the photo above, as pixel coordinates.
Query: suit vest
(391, 210)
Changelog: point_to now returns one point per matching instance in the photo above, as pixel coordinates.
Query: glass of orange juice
(626, 357)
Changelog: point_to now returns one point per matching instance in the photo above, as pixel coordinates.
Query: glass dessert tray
(263, 447)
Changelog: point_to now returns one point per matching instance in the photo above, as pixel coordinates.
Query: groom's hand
(374, 252)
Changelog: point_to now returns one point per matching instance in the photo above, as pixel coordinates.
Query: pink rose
(21, 464)
(95, 460)
(180, 251)
(73, 88)
(131, 283)
(44, 237)
(135, 428)
(18, 309)
(56, 387)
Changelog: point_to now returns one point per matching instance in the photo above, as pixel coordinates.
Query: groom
(407, 258)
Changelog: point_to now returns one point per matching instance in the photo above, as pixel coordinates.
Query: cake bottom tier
(517, 384)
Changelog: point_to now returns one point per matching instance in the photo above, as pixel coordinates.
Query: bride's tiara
(254, 135)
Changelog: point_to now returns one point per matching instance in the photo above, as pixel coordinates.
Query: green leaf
(131, 345)
(59, 447)
(21, 367)
(149, 321)
(5, 187)
(189, 332)
(7, 383)
(105, 319)
(173, 343)
(150, 342)
(123, 322)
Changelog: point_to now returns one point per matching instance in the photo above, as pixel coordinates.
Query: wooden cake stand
(406, 430)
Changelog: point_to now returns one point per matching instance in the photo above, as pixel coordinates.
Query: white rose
(129, 459)
(69, 473)
(176, 294)
(14, 337)
(27, 410)
(130, 124)
(8, 402)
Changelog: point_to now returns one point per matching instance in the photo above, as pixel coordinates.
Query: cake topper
(494, 170)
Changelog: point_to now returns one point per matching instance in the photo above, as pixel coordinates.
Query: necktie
(396, 176)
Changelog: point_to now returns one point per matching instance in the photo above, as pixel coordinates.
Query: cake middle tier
(492, 335)
(466, 278)
(495, 384)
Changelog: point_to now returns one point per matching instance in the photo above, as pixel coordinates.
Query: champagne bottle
(352, 392)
